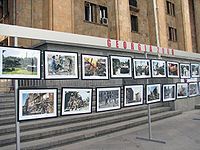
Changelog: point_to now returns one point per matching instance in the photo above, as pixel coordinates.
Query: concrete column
(186, 25)
(197, 22)
(162, 27)
(124, 22)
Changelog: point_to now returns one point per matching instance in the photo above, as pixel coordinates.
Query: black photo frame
(153, 93)
(181, 90)
(94, 67)
(169, 92)
(60, 65)
(185, 71)
(37, 103)
(108, 98)
(76, 101)
(158, 68)
(193, 89)
(172, 69)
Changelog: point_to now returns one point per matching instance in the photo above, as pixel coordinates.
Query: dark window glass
(134, 23)
(133, 3)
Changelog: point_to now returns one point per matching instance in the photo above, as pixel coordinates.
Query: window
(170, 8)
(4, 7)
(172, 34)
(133, 3)
(90, 12)
(134, 23)
(103, 15)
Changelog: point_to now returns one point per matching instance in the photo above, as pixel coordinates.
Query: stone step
(91, 133)
(6, 121)
(7, 106)
(197, 106)
(4, 113)
(64, 129)
(62, 120)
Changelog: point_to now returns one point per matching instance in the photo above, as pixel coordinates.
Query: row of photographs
(42, 103)
(25, 63)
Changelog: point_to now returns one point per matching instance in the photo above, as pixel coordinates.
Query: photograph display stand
(17, 126)
(150, 138)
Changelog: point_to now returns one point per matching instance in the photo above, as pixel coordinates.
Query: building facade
(130, 20)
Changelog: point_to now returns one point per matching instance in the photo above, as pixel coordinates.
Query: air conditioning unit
(104, 21)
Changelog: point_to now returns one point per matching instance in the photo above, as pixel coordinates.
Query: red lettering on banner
(125, 45)
(117, 44)
(168, 51)
(158, 50)
(151, 49)
(139, 47)
(109, 43)
(172, 51)
(132, 46)
(145, 47)
(163, 50)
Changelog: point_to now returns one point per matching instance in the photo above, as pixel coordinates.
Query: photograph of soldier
(182, 90)
(39, 103)
(193, 89)
(153, 93)
(141, 68)
(60, 65)
(76, 101)
(94, 67)
(158, 68)
(19, 63)
(195, 70)
(133, 95)
(121, 66)
(173, 69)
(108, 99)
(185, 70)
(169, 92)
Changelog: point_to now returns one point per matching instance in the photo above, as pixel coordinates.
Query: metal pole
(16, 108)
(156, 23)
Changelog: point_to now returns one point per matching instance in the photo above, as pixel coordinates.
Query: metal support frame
(150, 138)
(17, 125)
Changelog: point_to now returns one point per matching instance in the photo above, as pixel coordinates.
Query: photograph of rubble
(37, 104)
(76, 101)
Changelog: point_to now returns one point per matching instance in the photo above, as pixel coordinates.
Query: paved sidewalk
(180, 133)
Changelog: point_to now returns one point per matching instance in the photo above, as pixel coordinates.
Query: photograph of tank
(133, 95)
(173, 69)
(195, 70)
(169, 92)
(121, 67)
(158, 68)
(153, 93)
(94, 67)
(108, 98)
(185, 71)
(61, 65)
(193, 89)
(76, 101)
(19, 63)
(37, 103)
(141, 68)
(182, 90)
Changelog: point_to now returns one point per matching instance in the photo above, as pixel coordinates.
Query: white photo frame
(182, 90)
(172, 69)
(169, 92)
(141, 68)
(193, 89)
(133, 95)
(158, 68)
(185, 71)
(195, 70)
(153, 93)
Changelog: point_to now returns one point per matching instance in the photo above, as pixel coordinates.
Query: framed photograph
(173, 69)
(37, 104)
(121, 67)
(94, 67)
(76, 101)
(193, 89)
(195, 70)
(182, 90)
(141, 68)
(153, 93)
(158, 68)
(61, 65)
(19, 63)
(185, 71)
(169, 92)
(108, 98)
(133, 95)
(199, 86)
